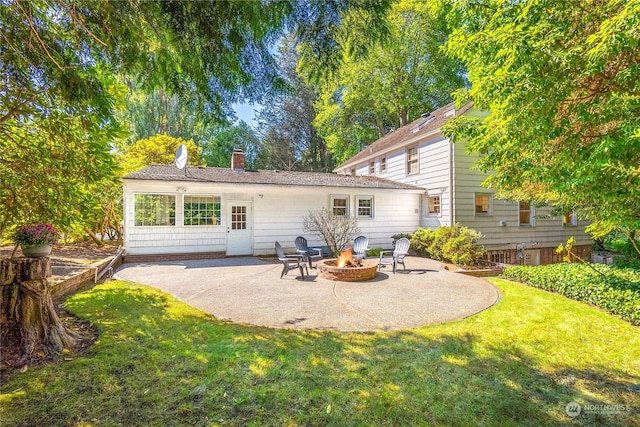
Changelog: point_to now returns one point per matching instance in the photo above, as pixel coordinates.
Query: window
(372, 168)
(364, 205)
(526, 214)
(483, 204)
(353, 171)
(238, 217)
(383, 164)
(412, 161)
(201, 210)
(154, 209)
(570, 218)
(340, 205)
(434, 205)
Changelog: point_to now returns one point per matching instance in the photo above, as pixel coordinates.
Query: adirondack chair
(310, 254)
(290, 262)
(396, 256)
(360, 247)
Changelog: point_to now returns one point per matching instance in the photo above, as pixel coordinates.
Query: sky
(246, 112)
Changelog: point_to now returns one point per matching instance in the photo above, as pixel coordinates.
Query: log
(27, 314)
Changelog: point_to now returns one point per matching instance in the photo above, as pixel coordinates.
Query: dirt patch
(83, 253)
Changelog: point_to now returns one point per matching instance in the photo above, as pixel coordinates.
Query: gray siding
(546, 231)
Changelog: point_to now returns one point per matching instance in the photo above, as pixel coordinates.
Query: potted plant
(36, 239)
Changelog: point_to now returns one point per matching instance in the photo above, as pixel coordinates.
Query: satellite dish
(181, 157)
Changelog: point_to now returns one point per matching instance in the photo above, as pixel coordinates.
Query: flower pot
(36, 251)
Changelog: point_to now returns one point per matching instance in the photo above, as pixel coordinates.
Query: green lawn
(160, 362)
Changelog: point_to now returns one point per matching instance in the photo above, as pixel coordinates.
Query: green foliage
(374, 252)
(399, 236)
(399, 79)
(218, 145)
(559, 80)
(157, 112)
(457, 244)
(160, 361)
(157, 150)
(59, 96)
(612, 289)
(289, 140)
(621, 245)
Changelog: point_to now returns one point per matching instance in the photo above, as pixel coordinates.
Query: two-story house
(418, 154)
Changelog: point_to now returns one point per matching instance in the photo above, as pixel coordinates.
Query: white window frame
(168, 214)
(430, 204)
(413, 161)
(333, 207)
(216, 200)
(489, 201)
(371, 208)
(372, 167)
(532, 212)
(383, 164)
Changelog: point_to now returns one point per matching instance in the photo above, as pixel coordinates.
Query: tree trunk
(27, 314)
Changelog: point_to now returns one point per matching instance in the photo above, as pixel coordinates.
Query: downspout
(452, 203)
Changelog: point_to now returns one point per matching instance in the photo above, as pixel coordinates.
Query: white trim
(357, 211)
(346, 197)
(532, 213)
(490, 207)
(412, 141)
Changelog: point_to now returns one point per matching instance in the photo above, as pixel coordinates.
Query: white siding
(433, 176)
(277, 215)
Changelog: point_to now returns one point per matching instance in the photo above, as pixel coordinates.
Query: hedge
(614, 290)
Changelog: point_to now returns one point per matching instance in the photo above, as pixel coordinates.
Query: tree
(157, 150)
(560, 83)
(398, 80)
(218, 145)
(59, 94)
(157, 112)
(289, 139)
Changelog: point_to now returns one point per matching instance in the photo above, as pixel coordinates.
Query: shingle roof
(404, 134)
(264, 177)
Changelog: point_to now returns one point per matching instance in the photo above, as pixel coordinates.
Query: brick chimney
(237, 160)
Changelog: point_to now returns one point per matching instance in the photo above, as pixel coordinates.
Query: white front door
(239, 228)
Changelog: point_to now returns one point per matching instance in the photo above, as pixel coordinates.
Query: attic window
(426, 119)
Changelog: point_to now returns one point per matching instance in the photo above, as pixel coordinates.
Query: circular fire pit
(328, 269)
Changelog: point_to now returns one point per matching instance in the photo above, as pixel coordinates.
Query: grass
(161, 362)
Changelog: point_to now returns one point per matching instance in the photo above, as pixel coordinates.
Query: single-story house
(420, 155)
(172, 213)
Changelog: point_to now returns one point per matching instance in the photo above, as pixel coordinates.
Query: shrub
(374, 252)
(456, 244)
(614, 290)
(335, 231)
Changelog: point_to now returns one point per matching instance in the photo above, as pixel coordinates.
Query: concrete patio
(249, 290)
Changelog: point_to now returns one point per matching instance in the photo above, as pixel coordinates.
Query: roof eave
(395, 147)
